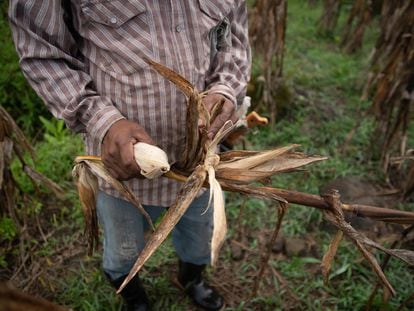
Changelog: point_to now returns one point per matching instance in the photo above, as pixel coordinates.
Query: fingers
(120, 161)
(226, 114)
(118, 149)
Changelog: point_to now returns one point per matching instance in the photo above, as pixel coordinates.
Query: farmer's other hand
(118, 151)
(227, 112)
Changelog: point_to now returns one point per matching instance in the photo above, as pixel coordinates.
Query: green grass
(324, 86)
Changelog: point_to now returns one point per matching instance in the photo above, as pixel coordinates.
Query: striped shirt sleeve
(230, 68)
(51, 62)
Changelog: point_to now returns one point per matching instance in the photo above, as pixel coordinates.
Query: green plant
(7, 229)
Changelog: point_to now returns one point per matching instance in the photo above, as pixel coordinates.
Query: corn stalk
(267, 35)
(329, 18)
(14, 143)
(391, 86)
(358, 19)
(238, 171)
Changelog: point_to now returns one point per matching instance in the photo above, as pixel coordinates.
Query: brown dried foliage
(267, 34)
(329, 18)
(358, 19)
(391, 85)
(12, 299)
(237, 171)
(14, 143)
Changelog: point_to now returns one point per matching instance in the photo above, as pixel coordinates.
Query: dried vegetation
(391, 86)
(267, 36)
(239, 171)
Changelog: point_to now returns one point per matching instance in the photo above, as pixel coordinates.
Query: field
(319, 108)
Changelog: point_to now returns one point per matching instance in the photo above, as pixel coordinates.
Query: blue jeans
(124, 228)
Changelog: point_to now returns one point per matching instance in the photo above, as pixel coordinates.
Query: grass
(325, 86)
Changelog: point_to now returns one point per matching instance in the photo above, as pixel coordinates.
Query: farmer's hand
(227, 112)
(118, 151)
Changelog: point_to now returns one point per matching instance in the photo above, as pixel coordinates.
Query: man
(85, 59)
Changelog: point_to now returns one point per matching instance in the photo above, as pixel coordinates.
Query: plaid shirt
(85, 59)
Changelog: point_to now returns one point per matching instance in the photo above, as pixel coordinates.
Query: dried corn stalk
(329, 17)
(13, 142)
(237, 171)
(267, 34)
(390, 84)
(358, 19)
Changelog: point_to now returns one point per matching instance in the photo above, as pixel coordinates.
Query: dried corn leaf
(98, 169)
(6, 147)
(233, 155)
(10, 129)
(259, 192)
(187, 194)
(255, 160)
(288, 162)
(194, 144)
(330, 255)
(278, 164)
(88, 188)
(183, 84)
(39, 178)
(335, 216)
(405, 255)
(241, 176)
(219, 217)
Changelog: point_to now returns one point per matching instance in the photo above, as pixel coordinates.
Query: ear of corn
(152, 160)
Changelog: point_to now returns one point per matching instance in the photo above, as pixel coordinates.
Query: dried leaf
(39, 178)
(233, 155)
(98, 169)
(6, 147)
(11, 130)
(255, 160)
(335, 215)
(183, 84)
(88, 188)
(15, 300)
(288, 162)
(187, 194)
(329, 256)
(219, 217)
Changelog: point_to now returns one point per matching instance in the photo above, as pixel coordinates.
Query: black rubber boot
(203, 295)
(133, 294)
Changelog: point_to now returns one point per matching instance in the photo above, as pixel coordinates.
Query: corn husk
(85, 173)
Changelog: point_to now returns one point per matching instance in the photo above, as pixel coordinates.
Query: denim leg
(192, 234)
(123, 227)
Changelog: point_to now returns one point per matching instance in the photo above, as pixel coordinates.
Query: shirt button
(113, 20)
(179, 28)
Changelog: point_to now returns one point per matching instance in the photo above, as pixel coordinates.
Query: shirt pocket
(120, 31)
(216, 10)
(112, 13)
(213, 12)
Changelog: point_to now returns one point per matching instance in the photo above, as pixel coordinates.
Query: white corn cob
(152, 160)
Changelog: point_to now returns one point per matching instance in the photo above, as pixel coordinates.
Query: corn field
(248, 175)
